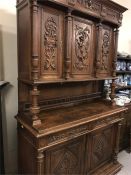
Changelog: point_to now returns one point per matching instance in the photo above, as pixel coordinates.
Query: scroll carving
(105, 50)
(67, 165)
(50, 43)
(81, 47)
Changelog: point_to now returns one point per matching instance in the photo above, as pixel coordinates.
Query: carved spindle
(35, 109)
(113, 95)
(40, 163)
(116, 151)
(98, 56)
(68, 44)
(116, 34)
(35, 59)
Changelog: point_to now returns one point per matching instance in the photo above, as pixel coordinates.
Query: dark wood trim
(2, 167)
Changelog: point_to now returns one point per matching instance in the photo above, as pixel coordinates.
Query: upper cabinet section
(67, 40)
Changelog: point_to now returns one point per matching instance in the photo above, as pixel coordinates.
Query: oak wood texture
(66, 49)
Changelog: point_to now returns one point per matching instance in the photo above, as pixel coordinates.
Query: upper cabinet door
(105, 51)
(52, 22)
(82, 48)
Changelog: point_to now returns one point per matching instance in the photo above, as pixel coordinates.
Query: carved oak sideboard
(66, 49)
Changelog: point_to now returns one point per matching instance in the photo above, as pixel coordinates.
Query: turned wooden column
(116, 150)
(98, 43)
(2, 170)
(35, 109)
(116, 34)
(34, 93)
(40, 163)
(35, 56)
(68, 19)
(113, 94)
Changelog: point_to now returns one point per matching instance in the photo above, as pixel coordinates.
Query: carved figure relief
(50, 42)
(81, 47)
(67, 165)
(105, 50)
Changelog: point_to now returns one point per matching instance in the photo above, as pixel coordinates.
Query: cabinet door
(105, 51)
(99, 147)
(82, 48)
(66, 159)
(52, 22)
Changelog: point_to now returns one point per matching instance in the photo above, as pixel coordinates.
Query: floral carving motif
(67, 164)
(81, 47)
(50, 43)
(105, 49)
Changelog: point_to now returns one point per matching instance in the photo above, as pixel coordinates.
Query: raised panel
(66, 159)
(105, 56)
(51, 43)
(102, 147)
(82, 47)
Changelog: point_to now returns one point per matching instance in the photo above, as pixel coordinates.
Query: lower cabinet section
(125, 135)
(86, 154)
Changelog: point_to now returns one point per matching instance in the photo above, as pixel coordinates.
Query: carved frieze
(110, 14)
(81, 47)
(67, 135)
(50, 38)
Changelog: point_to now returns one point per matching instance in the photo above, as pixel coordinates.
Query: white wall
(8, 72)
(124, 44)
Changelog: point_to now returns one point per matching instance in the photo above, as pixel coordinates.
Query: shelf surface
(123, 72)
(72, 116)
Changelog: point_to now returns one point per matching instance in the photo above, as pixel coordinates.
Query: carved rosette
(81, 47)
(105, 50)
(50, 42)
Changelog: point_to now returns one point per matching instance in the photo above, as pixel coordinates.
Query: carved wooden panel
(51, 44)
(82, 46)
(102, 148)
(66, 159)
(105, 50)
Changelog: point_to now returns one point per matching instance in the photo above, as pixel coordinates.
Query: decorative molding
(50, 42)
(81, 47)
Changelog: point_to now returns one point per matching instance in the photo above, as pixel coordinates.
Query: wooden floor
(125, 159)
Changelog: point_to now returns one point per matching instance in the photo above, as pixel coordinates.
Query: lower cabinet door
(67, 158)
(100, 146)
